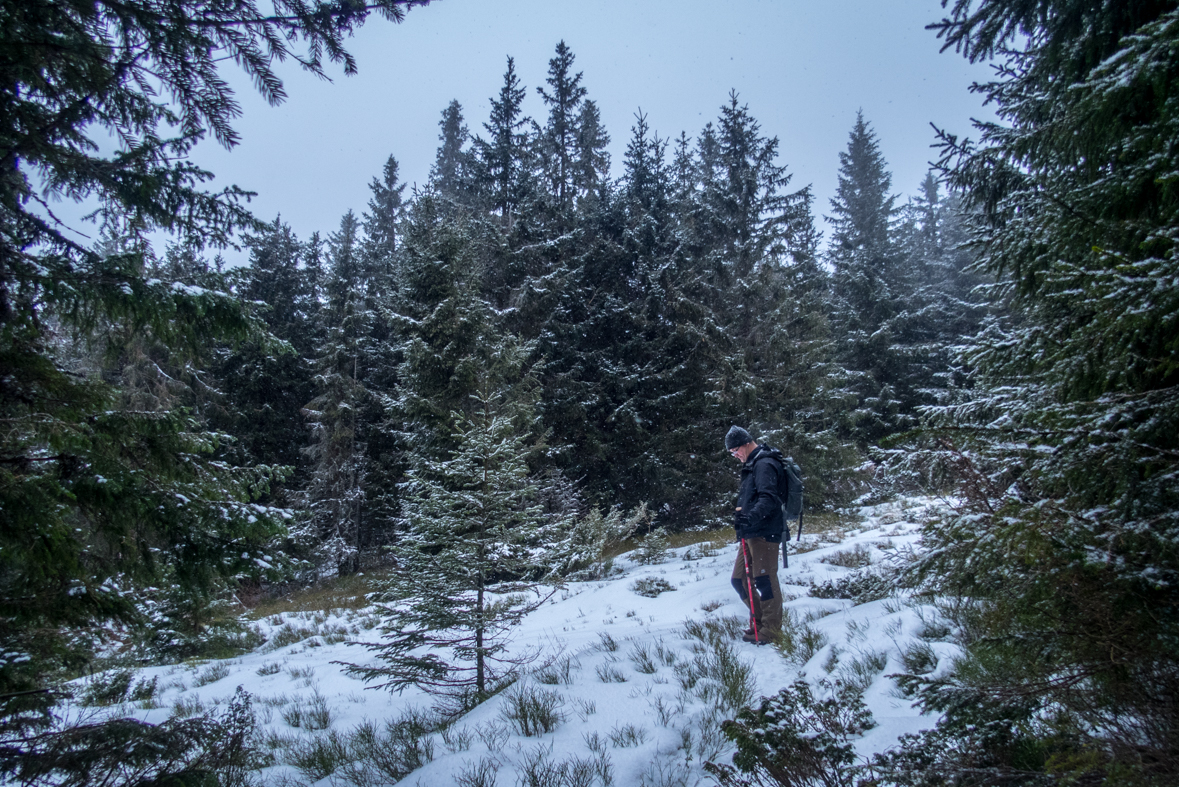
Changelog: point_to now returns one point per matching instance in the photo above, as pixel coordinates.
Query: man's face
(741, 452)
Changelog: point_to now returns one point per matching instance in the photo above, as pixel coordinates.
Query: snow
(579, 623)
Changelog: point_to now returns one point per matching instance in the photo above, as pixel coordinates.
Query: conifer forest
(474, 393)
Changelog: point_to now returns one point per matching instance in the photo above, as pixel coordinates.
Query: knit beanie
(737, 437)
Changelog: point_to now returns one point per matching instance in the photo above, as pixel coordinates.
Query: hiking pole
(749, 585)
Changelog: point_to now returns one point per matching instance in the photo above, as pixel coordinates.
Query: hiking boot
(750, 637)
(748, 632)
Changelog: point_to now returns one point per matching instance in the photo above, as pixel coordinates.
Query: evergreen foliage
(265, 383)
(946, 300)
(440, 317)
(382, 223)
(561, 140)
(797, 739)
(476, 543)
(503, 160)
(451, 171)
(347, 409)
(482, 384)
(209, 749)
(110, 478)
(1067, 543)
(867, 287)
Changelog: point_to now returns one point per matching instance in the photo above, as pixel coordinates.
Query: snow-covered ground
(627, 679)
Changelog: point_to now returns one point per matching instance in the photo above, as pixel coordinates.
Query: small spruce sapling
(474, 560)
(796, 738)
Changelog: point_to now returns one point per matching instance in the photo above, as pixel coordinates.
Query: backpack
(792, 493)
(790, 490)
(790, 487)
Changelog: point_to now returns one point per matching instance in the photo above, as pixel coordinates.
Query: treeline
(654, 309)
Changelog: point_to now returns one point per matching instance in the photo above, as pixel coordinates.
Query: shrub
(127, 751)
(312, 715)
(533, 711)
(627, 735)
(934, 630)
(538, 770)
(493, 734)
(799, 642)
(457, 739)
(301, 673)
(858, 556)
(480, 774)
(919, 659)
(173, 637)
(653, 548)
(642, 659)
(863, 669)
(730, 627)
(186, 707)
(716, 674)
(289, 634)
(367, 755)
(651, 586)
(981, 740)
(796, 739)
(382, 757)
(211, 674)
(318, 757)
(608, 673)
(559, 671)
(592, 539)
(710, 548)
(607, 643)
(107, 688)
(860, 586)
(666, 773)
(145, 690)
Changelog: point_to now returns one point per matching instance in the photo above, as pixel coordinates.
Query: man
(760, 522)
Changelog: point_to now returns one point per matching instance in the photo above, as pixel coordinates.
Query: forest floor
(633, 675)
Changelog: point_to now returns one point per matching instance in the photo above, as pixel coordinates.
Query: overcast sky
(803, 67)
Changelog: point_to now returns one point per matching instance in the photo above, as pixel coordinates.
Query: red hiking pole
(749, 585)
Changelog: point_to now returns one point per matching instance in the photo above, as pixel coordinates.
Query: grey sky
(803, 67)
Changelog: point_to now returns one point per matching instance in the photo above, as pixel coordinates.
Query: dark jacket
(761, 506)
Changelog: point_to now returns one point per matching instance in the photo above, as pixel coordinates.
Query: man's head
(739, 443)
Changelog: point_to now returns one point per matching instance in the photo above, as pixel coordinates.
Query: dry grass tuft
(346, 593)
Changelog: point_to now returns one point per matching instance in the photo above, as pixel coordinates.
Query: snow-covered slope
(636, 685)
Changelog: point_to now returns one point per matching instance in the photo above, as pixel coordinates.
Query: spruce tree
(863, 211)
(1064, 556)
(748, 215)
(470, 564)
(439, 318)
(592, 168)
(101, 499)
(267, 383)
(945, 298)
(503, 158)
(380, 248)
(451, 173)
(559, 141)
(867, 286)
(382, 222)
(337, 491)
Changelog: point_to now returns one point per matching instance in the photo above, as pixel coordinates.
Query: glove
(740, 522)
